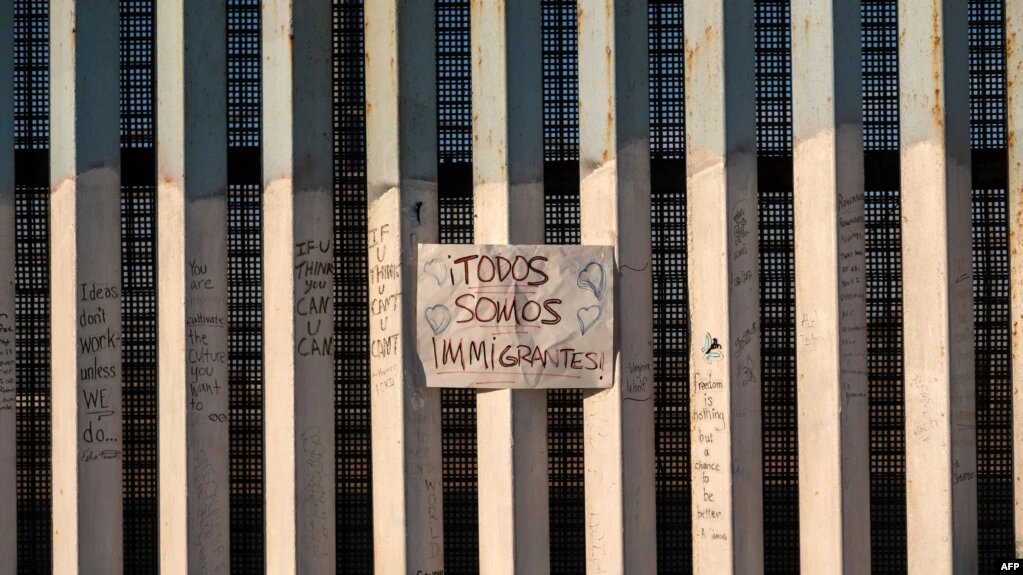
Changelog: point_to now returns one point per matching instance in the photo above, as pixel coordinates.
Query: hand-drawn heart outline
(591, 277)
(438, 317)
(586, 322)
(437, 269)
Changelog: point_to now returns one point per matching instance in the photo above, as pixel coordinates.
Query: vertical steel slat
(941, 449)
(618, 423)
(192, 295)
(401, 153)
(299, 286)
(721, 184)
(831, 321)
(85, 286)
(1014, 109)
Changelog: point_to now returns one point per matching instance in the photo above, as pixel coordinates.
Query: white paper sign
(539, 317)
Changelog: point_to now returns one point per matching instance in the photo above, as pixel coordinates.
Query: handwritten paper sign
(537, 317)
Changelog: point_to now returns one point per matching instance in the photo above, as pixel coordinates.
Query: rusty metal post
(192, 299)
(298, 286)
(401, 173)
(8, 431)
(508, 204)
(831, 327)
(941, 448)
(721, 180)
(85, 286)
(614, 142)
(1014, 108)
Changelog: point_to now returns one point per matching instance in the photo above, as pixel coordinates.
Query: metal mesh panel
(32, 287)
(884, 357)
(667, 80)
(245, 376)
(458, 406)
(454, 82)
(138, 277)
(671, 295)
(351, 320)
(244, 286)
(560, 81)
(31, 77)
(561, 226)
(991, 284)
(137, 76)
(774, 78)
(987, 75)
(777, 287)
(884, 286)
(878, 21)
(994, 383)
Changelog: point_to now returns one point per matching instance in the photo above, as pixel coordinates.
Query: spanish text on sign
(516, 316)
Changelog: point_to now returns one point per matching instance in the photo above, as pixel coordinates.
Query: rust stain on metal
(937, 109)
(691, 52)
(609, 63)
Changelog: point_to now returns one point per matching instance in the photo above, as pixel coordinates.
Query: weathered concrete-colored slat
(298, 286)
(721, 189)
(621, 533)
(192, 296)
(1014, 104)
(937, 297)
(401, 173)
(85, 287)
(8, 432)
(508, 204)
(831, 326)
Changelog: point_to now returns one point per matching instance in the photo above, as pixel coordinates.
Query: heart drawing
(438, 317)
(436, 269)
(591, 277)
(588, 316)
